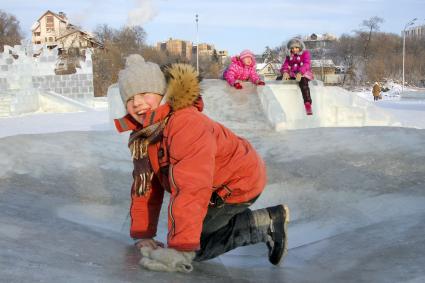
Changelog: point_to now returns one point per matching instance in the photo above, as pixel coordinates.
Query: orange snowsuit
(195, 157)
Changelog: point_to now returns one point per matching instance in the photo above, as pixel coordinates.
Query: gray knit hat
(296, 42)
(140, 76)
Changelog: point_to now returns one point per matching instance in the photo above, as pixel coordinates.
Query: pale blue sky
(230, 25)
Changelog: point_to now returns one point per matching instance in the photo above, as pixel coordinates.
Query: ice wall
(332, 107)
(26, 72)
(18, 94)
(115, 106)
(74, 86)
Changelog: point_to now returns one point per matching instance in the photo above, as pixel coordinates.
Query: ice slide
(332, 106)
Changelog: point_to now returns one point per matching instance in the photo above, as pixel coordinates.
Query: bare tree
(10, 31)
(209, 68)
(267, 54)
(345, 52)
(151, 54)
(372, 25)
(130, 39)
(104, 34)
(118, 44)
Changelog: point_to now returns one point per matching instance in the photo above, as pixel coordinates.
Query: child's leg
(305, 89)
(244, 227)
(225, 228)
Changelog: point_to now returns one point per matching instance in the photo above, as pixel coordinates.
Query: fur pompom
(183, 86)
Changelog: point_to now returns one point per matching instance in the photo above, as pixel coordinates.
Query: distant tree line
(10, 31)
(119, 43)
(369, 55)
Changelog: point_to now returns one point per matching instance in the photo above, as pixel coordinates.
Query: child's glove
(298, 77)
(166, 259)
(261, 83)
(285, 76)
(237, 85)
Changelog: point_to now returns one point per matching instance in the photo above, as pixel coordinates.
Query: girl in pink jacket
(297, 66)
(242, 68)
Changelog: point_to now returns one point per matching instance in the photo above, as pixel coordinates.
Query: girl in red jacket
(206, 168)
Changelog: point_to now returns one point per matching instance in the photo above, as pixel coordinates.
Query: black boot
(278, 240)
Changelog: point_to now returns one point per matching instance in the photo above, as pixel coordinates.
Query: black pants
(226, 227)
(305, 89)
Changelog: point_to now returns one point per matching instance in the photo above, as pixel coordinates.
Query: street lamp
(410, 23)
(197, 45)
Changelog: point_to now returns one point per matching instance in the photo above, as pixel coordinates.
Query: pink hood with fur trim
(238, 71)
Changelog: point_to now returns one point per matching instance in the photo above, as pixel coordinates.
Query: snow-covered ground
(408, 107)
(356, 197)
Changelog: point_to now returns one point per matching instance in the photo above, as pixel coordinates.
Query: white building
(269, 71)
(417, 31)
(53, 30)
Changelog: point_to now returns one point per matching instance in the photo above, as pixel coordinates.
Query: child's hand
(150, 243)
(237, 85)
(167, 259)
(285, 76)
(298, 77)
(261, 83)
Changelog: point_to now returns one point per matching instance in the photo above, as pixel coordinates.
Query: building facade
(54, 30)
(176, 47)
(268, 71)
(223, 55)
(188, 50)
(319, 45)
(416, 32)
(205, 49)
(48, 27)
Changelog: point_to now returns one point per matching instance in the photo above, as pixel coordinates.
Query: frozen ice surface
(356, 197)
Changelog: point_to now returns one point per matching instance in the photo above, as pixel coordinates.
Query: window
(37, 33)
(50, 39)
(50, 24)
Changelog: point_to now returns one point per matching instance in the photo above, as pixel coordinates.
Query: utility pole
(412, 22)
(197, 46)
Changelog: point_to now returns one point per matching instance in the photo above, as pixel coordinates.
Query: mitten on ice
(237, 85)
(285, 76)
(166, 259)
(261, 83)
(298, 77)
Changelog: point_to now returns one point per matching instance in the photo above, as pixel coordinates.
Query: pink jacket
(238, 71)
(299, 63)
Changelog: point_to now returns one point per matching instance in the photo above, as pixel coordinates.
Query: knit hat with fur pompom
(140, 76)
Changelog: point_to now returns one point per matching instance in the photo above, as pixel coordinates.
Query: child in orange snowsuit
(206, 168)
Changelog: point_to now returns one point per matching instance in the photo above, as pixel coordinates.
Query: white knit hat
(140, 76)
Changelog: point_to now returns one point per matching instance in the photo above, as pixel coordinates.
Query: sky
(229, 25)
